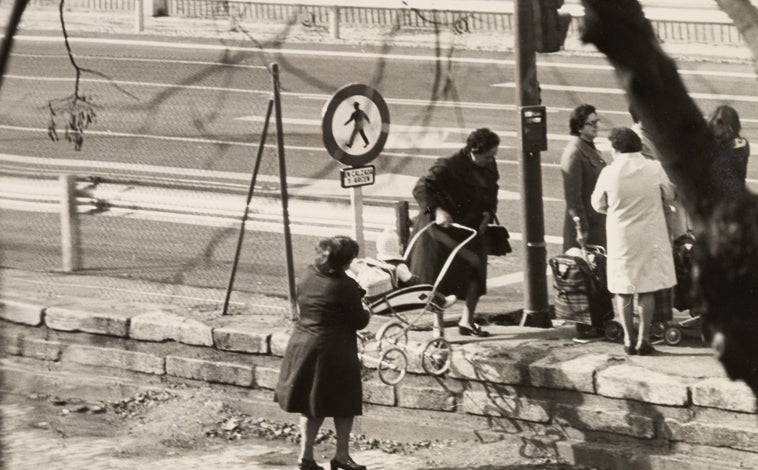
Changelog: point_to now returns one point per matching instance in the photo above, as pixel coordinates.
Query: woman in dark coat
(462, 189)
(321, 374)
(724, 122)
(581, 164)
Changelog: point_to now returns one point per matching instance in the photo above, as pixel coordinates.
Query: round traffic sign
(355, 124)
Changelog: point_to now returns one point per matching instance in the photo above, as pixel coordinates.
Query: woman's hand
(442, 217)
(486, 219)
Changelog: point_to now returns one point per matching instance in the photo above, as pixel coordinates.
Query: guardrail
(700, 24)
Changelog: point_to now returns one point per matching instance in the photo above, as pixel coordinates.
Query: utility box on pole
(532, 139)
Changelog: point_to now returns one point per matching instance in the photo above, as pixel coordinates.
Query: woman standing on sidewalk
(632, 191)
(321, 375)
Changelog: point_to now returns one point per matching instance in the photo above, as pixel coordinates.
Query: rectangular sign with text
(357, 176)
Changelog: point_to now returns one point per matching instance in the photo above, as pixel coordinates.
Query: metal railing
(699, 25)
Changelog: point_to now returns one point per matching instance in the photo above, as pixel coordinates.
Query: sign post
(355, 125)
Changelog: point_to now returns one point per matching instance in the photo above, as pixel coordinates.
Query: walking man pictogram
(360, 120)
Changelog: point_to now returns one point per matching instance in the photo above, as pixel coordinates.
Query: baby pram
(673, 331)
(410, 305)
(580, 289)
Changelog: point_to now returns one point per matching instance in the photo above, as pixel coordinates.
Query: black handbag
(496, 239)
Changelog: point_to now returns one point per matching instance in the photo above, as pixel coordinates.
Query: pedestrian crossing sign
(355, 124)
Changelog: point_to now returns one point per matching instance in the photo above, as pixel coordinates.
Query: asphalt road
(198, 106)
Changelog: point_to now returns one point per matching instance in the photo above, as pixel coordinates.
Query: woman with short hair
(631, 191)
(321, 374)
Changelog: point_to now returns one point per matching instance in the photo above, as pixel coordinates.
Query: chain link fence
(161, 178)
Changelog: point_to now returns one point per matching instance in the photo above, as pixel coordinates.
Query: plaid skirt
(664, 305)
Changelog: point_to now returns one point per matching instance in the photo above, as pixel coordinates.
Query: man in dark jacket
(461, 189)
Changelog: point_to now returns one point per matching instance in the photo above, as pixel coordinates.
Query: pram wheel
(393, 364)
(393, 333)
(436, 356)
(672, 335)
(613, 331)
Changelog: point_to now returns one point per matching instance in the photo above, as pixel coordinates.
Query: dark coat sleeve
(356, 316)
(573, 184)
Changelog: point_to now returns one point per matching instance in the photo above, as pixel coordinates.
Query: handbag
(496, 239)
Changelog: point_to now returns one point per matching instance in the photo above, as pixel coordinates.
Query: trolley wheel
(436, 356)
(393, 365)
(393, 333)
(614, 331)
(672, 335)
(658, 328)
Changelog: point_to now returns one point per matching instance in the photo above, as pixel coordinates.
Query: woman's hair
(482, 140)
(334, 253)
(625, 140)
(724, 122)
(579, 116)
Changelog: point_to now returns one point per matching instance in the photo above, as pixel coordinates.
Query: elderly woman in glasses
(581, 164)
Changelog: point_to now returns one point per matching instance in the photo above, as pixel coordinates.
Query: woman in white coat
(632, 191)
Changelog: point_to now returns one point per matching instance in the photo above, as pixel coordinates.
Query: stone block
(467, 364)
(230, 339)
(615, 422)
(378, 393)
(164, 326)
(425, 398)
(40, 348)
(504, 402)
(637, 383)
(725, 394)
(210, 371)
(735, 436)
(266, 377)
(11, 345)
(101, 323)
(574, 374)
(278, 343)
(116, 358)
(21, 312)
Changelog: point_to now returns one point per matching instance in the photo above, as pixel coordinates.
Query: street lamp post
(536, 307)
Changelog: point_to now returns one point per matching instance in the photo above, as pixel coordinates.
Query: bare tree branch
(10, 32)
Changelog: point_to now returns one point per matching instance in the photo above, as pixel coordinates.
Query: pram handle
(452, 254)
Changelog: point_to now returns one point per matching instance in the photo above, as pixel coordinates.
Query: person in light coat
(631, 191)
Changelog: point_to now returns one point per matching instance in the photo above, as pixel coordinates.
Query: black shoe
(630, 350)
(349, 465)
(645, 349)
(307, 464)
(474, 330)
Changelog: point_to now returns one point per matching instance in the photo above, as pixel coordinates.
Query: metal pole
(536, 307)
(283, 191)
(356, 202)
(403, 222)
(261, 146)
(139, 16)
(70, 240)
(334, 21)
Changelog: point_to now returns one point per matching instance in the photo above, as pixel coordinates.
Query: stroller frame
(393, 336)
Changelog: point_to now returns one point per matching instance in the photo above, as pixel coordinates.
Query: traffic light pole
(536, 307)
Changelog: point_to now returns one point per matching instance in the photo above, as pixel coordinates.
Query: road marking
(349, 54)
(142, 59)
(619, 91)
(395, 101)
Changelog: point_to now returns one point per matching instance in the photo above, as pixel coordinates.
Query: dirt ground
(181, 424)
